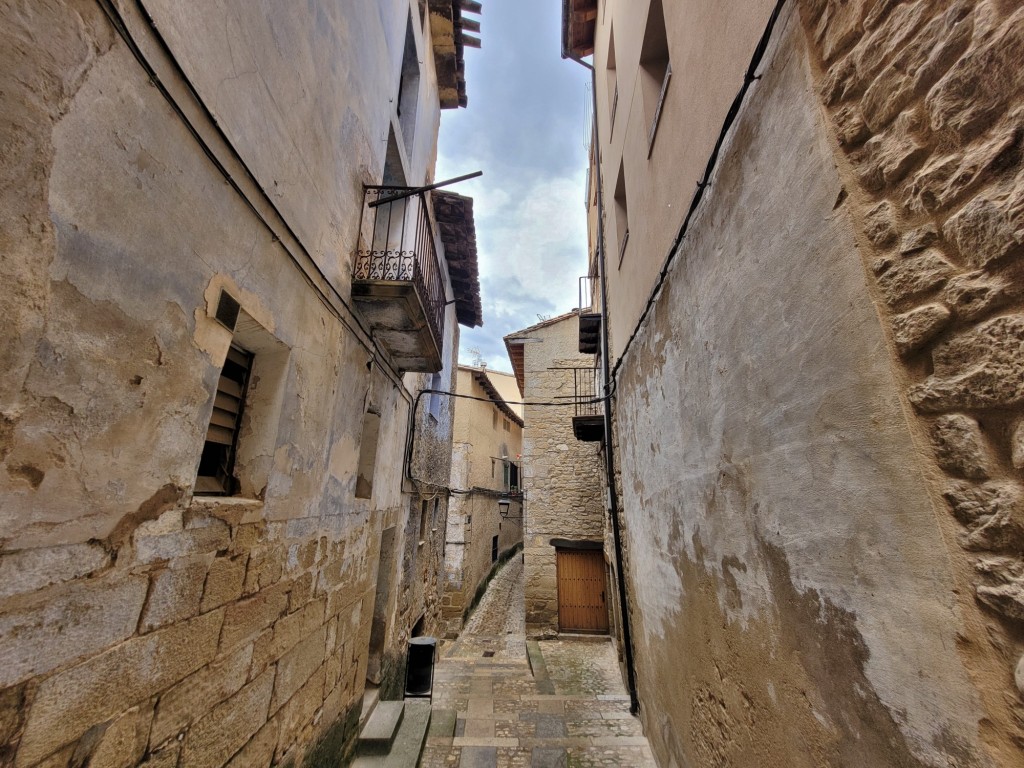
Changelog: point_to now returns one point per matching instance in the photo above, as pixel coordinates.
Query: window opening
(655, 69)
(621, 213)
(494, 547)
(367, 455)
(434, 407)
(424, 508)
(613, 84)
(408, 88)
(217, 462)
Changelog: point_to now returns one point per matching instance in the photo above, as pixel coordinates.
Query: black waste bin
(419, 672)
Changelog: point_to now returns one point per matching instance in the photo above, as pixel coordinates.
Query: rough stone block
(946, 178)
(266, 565)
(903, 279)
(838, 29)
(302, 706)
(68, 623)
(991, 513)
(124, 741)
(990, 226)
(301, 592)
(1017, 445)
(840, 84)
(919, 239)
(194, 696)
(885, 98)
(31, 569)
(174, 594)
(244, 619)
(224, 581)
(895, 31)
(915, 328)
(851, 130)
(67, 704)
(296, 666)
(976, 89)
(152, 549)
(889, 156)
(260, 748)
(982, 368)
(292, 628)
(975, 294)
(880, 224)
(212, 741)
(1004, 599)
(960, 446)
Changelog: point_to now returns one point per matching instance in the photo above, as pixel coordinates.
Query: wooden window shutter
(216, 466)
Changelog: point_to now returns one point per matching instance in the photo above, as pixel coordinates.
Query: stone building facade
(817, 356)
(182, 206)
(561, 476)
(486, 466)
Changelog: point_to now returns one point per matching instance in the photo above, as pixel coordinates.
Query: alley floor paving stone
(501, 702)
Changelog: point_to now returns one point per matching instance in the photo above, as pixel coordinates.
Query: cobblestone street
(499, 701)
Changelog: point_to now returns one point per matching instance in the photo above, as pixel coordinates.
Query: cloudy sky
(525, 128)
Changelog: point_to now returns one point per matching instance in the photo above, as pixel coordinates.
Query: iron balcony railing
(586, 385)
(403, 249)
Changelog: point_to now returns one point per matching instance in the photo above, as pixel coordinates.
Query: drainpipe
(609, 456)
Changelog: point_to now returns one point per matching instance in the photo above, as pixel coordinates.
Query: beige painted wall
(480, 440)
(710, 44)
(136, 620)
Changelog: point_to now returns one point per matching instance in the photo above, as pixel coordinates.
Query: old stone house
(486, 463)
(566, 581)
(211, 469)
(806, 225)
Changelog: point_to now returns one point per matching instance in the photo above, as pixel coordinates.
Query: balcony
(590, 319)
(588, 420)
(397, 282)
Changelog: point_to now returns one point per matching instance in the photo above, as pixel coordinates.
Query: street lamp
(503, 504)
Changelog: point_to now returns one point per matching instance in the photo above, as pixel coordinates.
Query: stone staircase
(393, 735)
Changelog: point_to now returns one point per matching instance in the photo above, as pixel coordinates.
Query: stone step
(379, 732)
(408, 742)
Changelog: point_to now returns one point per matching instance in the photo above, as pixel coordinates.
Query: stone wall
(825, 391)
(562, 476)
(139, 624)
(926, 102)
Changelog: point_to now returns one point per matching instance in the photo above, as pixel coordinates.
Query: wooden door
(581, 591)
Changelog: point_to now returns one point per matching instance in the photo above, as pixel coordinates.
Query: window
(621, 213)
(494, 419)
(494, 548)
(492, 468)
(216, 473)
(506, 473)
(408, 88)
(424, 509)
(241, 432)
(434, 407)
(506, 425)
(613, 84)
(367, 455)
(655, 69)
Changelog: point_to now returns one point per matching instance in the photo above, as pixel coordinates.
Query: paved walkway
(491, 710)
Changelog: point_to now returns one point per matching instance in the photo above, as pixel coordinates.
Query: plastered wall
(817, 424)
(140, 624)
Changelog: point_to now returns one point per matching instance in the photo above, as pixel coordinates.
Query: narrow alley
(501, 700)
